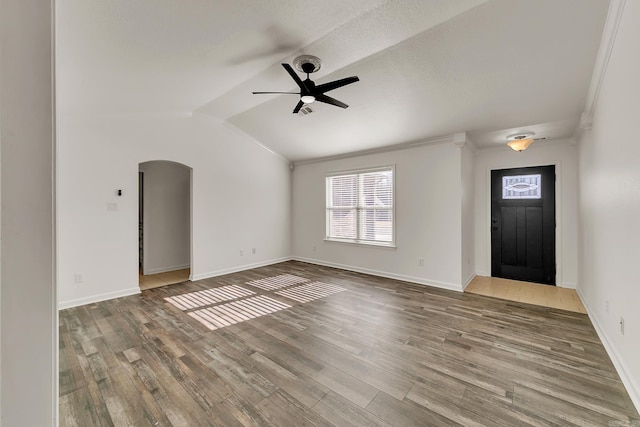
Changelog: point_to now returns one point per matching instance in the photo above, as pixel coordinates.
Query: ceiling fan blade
(286, 93)
(295, 77)
(293, 74)
(326, 87)
(298, 107)
(329, 100)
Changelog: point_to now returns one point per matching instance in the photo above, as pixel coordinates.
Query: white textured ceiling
(427, 67)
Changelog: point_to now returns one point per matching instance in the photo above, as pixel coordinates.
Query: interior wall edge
(616, 358)
(469, 280)
(385, 274)
(28, 328)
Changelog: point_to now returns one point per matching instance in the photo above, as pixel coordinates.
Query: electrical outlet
(241, 252)
(622, 325)
(420, 262)
(253, 251)
(78, 278)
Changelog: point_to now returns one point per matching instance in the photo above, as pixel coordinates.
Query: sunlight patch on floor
(234, 312)
(310, 291)
(198, 299)
(277, 282)
(227, 305)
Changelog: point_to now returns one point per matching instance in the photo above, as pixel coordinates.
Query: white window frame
(358, 240)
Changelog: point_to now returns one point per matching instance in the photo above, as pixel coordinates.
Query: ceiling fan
(309, 92)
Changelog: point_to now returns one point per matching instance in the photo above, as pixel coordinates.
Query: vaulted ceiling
(427, 68)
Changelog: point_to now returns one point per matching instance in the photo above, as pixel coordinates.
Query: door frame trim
(558, 190)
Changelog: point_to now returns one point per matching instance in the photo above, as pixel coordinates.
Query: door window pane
(522, 187)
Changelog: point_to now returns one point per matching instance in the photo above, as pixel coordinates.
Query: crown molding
(586, 121)
(123, 116)
(448, 139)
(459, 139)
(535, 146)
(471, 145)
(614, 15)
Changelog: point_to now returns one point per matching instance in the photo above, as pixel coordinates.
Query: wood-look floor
(150, 281)
(530, 293)
(367, 352)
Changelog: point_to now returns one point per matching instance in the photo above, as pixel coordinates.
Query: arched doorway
(164, 232)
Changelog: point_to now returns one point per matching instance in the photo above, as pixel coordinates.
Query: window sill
(361, 243)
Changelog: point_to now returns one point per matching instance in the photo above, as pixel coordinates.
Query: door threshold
(527, 292)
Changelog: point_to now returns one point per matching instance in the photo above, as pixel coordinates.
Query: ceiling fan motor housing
(307, 63)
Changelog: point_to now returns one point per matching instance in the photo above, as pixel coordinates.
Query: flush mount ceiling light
(520, 141)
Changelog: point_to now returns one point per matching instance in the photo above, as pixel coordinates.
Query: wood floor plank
(446, 405)
(559, 411)
(282, 409)
(346, 385)
(486, 409)
(77, 410)
(380, 352)
(406, 413)
(71, 376)
(305, 389)
(341, 412)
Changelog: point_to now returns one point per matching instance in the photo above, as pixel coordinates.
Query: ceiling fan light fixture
(308, 99)
(520, 142)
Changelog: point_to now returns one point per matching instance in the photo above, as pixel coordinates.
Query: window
(360, 206)
(522, 187)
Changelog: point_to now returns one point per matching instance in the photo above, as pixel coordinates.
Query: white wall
(467, 259)
(564, 156)
(28, 380)
(241, 199)
(610, 205)
(428, 216)
(167, 216)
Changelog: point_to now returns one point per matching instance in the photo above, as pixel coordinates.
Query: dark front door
(523, 230)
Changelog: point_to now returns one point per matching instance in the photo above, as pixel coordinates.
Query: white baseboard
(411, 279)
(618, 362)
(568, 285)
(469, 279)
(97, 298)
(165, 269)
(224, 271)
